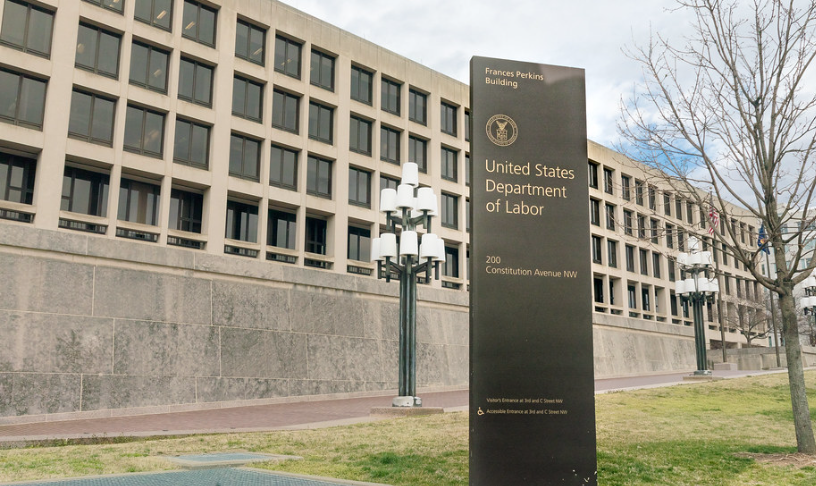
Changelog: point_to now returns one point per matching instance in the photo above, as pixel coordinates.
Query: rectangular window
(644, 294)
(467, 169)
(285, 110)
(627, 222)
(595, 212)
(245, 157)
(597, 249)
(448, 119)
(593, 175)
(242, 222)
(282, 229)
(610, 217)
(467, 126)
(389, 145)
(390, 96)
(321, 123)
(632, 294)
(186, 209)
(138, 202)
(670, 263)
(654, 225)
(417, 107)
(287, 56)
(639, 188)
(283, 165)
(27, 27)
(690, 212)
(450, 164)
(115, 5)
(192, 144)
(84, 192)
(361, 82)
(652, 198)
(681, 240)
(195, 82)
(725, 254)
(199, 23)
(322, 70)
(144, 131)
(17, 178)
(319, 177)
(360, 135)
(667, 204)
(678, 206)
(656, 265)
(598, 286)
(359, 187)
(612, 253)
(669, 236)
(247, 99)
(388, 183)
(641, 226)
(609, 182)
(249, 42)
(451, 268)
(418, 153)
(630, 258)
(158, 13)
(626, 187)
(148, 67)
(91, 118)
(359, 244)
(644, 262)
(22, 99)
(450, 211)
(316, 235)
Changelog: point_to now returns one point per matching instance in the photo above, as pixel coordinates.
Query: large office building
(189, 189)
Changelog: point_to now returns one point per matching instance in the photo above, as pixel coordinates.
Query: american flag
(713, 216)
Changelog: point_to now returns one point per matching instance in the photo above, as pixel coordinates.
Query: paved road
(307, 414)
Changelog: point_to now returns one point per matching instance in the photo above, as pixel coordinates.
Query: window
(451, 268)
(320, 122)
(249, 42)
(641, 226)
(144, 131)
(609, 184)
(388, 183)
(610, 217)
(654, 225)
(285, 110)
(417, 107)
(644, 295)
(595, 212)
(467, 169)
(725, 254)
(283, 164)
(627, 222)
(593, 175)
(390, 96)
(597, 252)
(185, 211)
(632, 294)
(17, 178)
(612, 253)
(626, 183)
(195, 82)
(192, 144)
(115, 5)
(652, 198)
(667, 204)
(418, 153)
(597, 284)
(359, 244)
(138, 202)
(670, 263)
(360, 135)
(678, 205)
(322, 70)
(148, 67)
(690, 212)
(448, 119)
(450, 211)
(84, 192)
(97, 51)
(359, 187)
(199, 23)
(91, 118)
(467, 126)
(245, 157)
(27, 28)
(361, 81)
(639, 192)
(242, 222)
(319, 177)
(669, 236)
(22, 99)
(287, 56)
(630, 258)
(247, 99)
(389, 145)
(316, 235)
(644, 262)
(282, 229)
(656, 265)
(681, 240)
(450, 165)
(158, 13)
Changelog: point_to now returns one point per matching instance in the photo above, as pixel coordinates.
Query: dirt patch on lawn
(796, 460)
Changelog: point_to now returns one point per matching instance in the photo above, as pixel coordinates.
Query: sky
(587, 34)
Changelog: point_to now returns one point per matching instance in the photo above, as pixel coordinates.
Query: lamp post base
(702, 373)
(406, 402)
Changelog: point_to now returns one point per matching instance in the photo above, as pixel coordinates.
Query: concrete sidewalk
(284, 416)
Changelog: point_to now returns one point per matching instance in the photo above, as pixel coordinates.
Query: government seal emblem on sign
(502, 130)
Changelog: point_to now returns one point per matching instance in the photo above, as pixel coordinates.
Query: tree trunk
(796, 374)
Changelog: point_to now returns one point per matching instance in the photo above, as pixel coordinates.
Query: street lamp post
(408, 208)
(809, 301)
(698, 288)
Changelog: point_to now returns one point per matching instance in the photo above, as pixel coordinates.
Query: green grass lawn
(695, 434)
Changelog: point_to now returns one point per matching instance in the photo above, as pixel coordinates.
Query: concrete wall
(763, 358)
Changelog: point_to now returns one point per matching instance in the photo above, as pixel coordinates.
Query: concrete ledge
(405, 411)
(726, 366)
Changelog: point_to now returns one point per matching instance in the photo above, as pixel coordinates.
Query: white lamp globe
(410, 174)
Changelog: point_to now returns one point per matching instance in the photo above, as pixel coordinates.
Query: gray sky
(445, 34)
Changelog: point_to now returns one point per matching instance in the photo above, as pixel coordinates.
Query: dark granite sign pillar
(532, 409)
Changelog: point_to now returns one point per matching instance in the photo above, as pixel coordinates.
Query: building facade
(188, 191)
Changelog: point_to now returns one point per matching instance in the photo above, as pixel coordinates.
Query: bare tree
(751, 320)
(732, 110)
